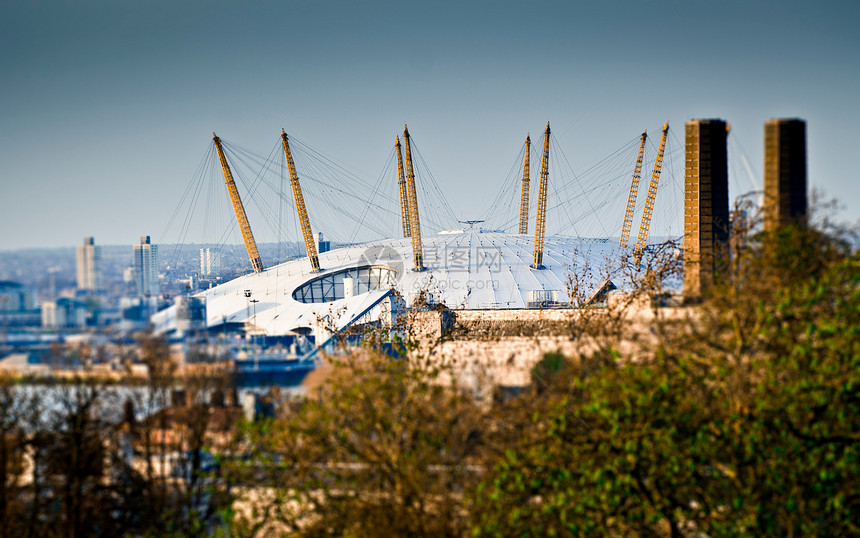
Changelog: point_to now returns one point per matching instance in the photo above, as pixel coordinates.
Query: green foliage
(744, 421)
(379, 450)
(738, 416)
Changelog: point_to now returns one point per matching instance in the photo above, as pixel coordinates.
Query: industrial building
(784, 172)
(706, 204)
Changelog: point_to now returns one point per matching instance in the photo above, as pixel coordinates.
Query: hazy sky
(108, 106)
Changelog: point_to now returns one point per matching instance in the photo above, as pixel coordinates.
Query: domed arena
(467, 269)
(486, 265)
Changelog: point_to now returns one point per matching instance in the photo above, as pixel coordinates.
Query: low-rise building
(63, 313)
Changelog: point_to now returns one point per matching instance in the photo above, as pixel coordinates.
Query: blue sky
(108, 106)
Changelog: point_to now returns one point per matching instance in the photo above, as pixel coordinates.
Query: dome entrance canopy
(346, 283)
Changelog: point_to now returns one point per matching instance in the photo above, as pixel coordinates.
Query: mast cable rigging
(524, 197)
(415, 223)
(631, 198)
(645, 224)
(404, 197)
(540, 220)
(242, 219)
(310, 244)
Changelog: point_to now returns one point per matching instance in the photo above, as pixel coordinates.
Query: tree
(379, 450)
(15, 412)
(743, 419)
(181, 409)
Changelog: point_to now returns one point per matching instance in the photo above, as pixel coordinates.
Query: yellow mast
(248, 237)
(652, 193)
(631, 198)
(524, 198)
(310, 245)
(540, 221)
(414, 222)
(404, 195)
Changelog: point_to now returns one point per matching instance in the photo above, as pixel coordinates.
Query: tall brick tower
(784, 172)
(706, 204)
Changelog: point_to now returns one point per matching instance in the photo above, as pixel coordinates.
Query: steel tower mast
(524, 198)
(652, 193)
(310, 245)
(540, 221)
(414, 222)
(631, 198)
(404, 194)
(247, 236)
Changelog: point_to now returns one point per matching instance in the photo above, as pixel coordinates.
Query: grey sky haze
(108, 106)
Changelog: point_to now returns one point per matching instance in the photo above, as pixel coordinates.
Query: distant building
(27, 363)
(17, 308)
(63, 313)
(89, 262)
(323, 246)
(190, 313)
(146, 267)
(210, 263)
(14, 297)
(135, 312)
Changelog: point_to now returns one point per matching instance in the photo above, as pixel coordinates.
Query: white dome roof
(464, 269)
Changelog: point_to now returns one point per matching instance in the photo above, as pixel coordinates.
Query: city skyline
(110, 109)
